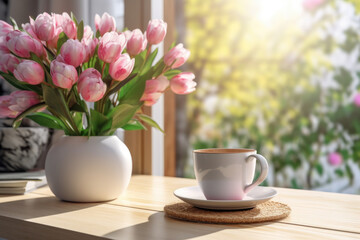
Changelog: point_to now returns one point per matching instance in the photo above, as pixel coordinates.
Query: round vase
(94, 169)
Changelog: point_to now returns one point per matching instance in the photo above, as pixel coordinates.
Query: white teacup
(227, 174)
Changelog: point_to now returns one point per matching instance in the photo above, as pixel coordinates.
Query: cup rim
(223, 150)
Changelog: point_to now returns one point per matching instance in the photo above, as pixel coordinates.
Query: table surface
(138, 214)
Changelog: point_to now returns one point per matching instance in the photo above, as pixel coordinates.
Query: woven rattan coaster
(268, 211)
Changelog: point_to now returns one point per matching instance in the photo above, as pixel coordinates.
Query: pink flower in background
(8, 62)
(73, 52)
(5, 28)
(90, 86)
(183, 83)
(335, 159)
(105, 23)
(30, 72)
(177, 56)
(63, 75)
(5, 102)
(357, 100)
(44, 26)
(154, 88)
(22, 44)
(22, 100)
(136, 43)
(122, 67)
(89, 46)
(156, 31)
(111, 45)
(311, 5)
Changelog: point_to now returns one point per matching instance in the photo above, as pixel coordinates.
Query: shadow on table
(40, 207)
(159, 226)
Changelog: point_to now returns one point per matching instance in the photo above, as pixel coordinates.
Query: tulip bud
(136, 43)
(53, 42)
(122, 67)
(73, 52)
(90, 86)
(335, 159)
(111, 45)
(3, 48)
(154, 88)
(68, 26)
(30, 30)
(30, 72)
(44, 27)
(5, 102)
(22, 100)
(63, 75)
(89, 46)
(5, 28)
(156, 31)
(183, 83)
(21, 44)
(8, 62)
(127, 34)
(177, 56)
(88, 33)
(105, 24)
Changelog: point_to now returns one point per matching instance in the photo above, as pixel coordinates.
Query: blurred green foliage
(281, 80)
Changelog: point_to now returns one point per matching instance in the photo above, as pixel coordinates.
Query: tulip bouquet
(60, 65)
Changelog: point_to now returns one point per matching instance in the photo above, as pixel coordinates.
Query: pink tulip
(53, 42)
(5, 102)
(29, 71)
(156, 31)
(5, 28)
(154, 88)
(44, 26)
(89, 46)
(136, 43)
(122, 67)
(127, 34)
(111, 45)
(22, 44)
(311, 5)
(88, 33)
(90, 85)
(177, 56)
(105, 24)
(183, 83)
(20, 101)
(3, 48)
(357, 100)
(73, 52)
(30, 30)
(68, 26)
(8, 62)
(335, 159)
(63, 75)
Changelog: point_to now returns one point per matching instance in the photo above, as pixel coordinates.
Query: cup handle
(264, 171)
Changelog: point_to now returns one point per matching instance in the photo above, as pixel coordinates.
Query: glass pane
(280, 77)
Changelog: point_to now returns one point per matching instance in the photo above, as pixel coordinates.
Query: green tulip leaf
(150, 121)
(80, 30)
(46, 120)
(134, 125)
(21, 85)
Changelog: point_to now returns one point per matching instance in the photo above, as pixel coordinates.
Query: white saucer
(194, 196)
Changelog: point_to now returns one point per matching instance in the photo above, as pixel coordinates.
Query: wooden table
(138, 215)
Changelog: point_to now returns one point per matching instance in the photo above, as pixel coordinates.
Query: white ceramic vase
(82, 169)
